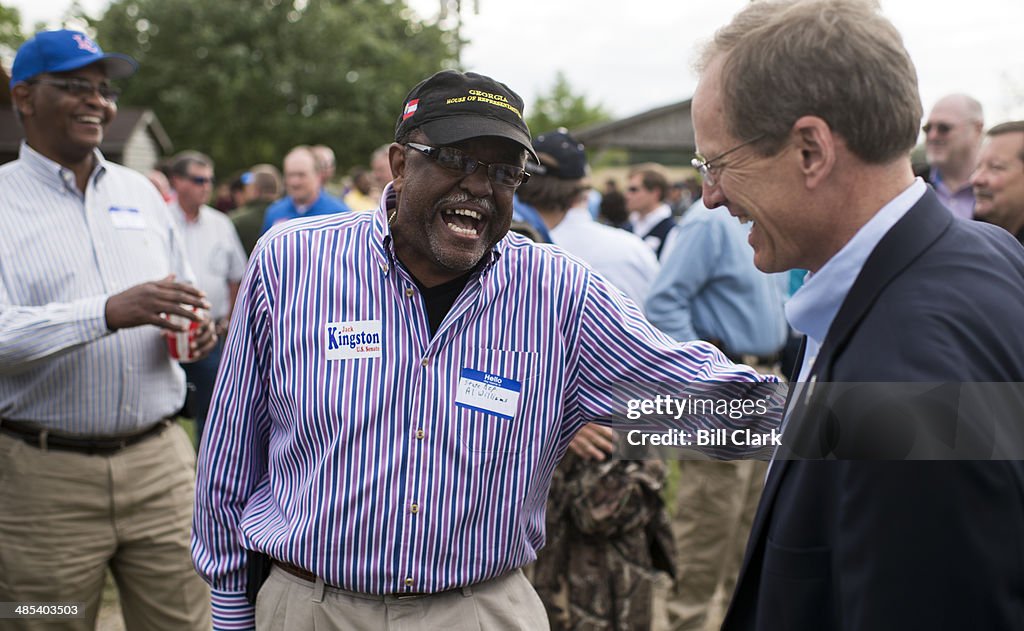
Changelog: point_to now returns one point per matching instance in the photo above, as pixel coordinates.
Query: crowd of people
(402, 385)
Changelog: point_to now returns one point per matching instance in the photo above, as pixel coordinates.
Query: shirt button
(409, 292)
(415, 508)
(419, 434)
(408, 581)
(424, 362)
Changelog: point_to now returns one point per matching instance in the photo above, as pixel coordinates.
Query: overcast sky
(634, 55)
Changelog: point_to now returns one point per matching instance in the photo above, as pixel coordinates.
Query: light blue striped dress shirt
(365, 471)
(62, 254)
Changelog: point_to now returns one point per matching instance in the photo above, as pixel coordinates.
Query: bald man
(304, 195)
(952, 140)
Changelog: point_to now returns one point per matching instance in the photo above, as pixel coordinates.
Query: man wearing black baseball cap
(466, 116)
(96, 474)
(399, 385)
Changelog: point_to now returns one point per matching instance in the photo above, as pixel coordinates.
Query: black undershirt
(440, 298)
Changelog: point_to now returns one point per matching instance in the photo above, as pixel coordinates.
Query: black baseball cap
(452, 106)
(565, 157)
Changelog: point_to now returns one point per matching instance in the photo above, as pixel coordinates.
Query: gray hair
(839, 60)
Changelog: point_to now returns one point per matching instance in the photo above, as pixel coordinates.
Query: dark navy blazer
(880, 545)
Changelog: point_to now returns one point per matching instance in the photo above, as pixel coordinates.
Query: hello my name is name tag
(125, 218)
(487, 393)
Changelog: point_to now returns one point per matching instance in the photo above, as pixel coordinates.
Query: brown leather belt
(43, 438)
(295, 570)
(306, 575)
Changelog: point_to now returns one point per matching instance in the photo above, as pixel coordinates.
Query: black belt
(43, 438)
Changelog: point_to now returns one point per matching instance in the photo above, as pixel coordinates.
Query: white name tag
(488, 393)
(125, 218)
(353, 340)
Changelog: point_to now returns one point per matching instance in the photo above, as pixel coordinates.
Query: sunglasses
(78, 87)
(940, 128)
(465, 165)
(199, 180)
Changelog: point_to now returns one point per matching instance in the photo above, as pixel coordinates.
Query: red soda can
(179, 343)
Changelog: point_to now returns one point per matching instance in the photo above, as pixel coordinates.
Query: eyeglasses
(940, 128)
(456, 160)
(199, 180)
(78, 87)
(706, 167)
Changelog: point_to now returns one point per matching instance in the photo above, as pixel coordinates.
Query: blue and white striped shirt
(62, 254)
(365, 471)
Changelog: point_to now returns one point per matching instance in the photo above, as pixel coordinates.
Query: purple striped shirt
(364, 471)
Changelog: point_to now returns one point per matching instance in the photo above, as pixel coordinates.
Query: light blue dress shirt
(814, 306)
(285, 209)
(709, 288)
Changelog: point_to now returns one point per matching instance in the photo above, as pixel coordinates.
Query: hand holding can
(180, 343)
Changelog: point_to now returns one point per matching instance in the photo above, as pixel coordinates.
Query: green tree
(246, 80)
(561, 107)
(10, 29)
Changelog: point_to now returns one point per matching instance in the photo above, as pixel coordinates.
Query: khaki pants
(714, 509)
(66, 517)
(506, 603)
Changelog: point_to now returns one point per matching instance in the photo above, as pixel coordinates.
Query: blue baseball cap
(61, 51)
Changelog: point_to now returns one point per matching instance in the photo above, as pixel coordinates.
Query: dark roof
(666, 127)
(114, 140)
(126, 122)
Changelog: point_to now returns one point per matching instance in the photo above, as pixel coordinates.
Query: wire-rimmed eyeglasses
(707, 167)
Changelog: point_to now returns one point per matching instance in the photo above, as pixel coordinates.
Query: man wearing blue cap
(94, 472)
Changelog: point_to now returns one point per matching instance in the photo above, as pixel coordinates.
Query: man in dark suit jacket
(809, 110)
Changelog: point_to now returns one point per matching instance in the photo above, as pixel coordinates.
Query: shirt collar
(382, 243)
(940, 184)
(578, 215)
(56, 175)
(575, 218)
(644, 224)
(182, 218)
(302, 209)
(814, 306)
